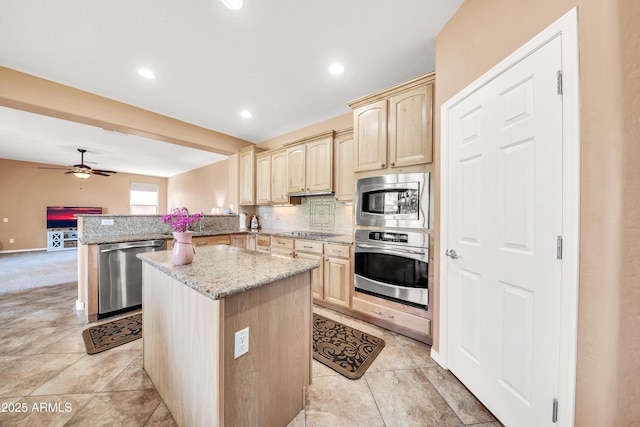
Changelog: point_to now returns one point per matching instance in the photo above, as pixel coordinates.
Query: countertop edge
(188, 274)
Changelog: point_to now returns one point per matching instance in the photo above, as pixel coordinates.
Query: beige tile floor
(47, 379)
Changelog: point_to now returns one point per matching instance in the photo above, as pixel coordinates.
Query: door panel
(505, 203)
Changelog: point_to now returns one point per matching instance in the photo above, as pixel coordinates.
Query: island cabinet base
(188, 344)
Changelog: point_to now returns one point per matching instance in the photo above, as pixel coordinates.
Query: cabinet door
(337, 281)
(238, 240)
(296, 169)
(246, 177)
(410, 127)
(250, 242)
(344, 175)
(263, 179)
(279, 177)
(317, 274)
(319, 165)
(370, 136)
(319, 168)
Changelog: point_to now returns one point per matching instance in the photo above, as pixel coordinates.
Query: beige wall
(26, 191)
(481, 34)
(211, 186)
(216, 185)
(337, 123)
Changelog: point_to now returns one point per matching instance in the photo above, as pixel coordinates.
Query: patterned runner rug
(112, 334)
(346, 350)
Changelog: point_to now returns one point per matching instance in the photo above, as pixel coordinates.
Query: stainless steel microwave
(393, 201)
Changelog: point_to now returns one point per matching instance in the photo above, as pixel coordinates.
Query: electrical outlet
(11, 241)
(106, 222)
(241, 343)
(6, 219)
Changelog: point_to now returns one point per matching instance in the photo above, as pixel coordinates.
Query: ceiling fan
(81, 170)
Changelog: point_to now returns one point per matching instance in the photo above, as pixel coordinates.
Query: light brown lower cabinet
(337, 274)
(198, 241)
(401, 318)
(239, 240)
(263, 243)
(313, 250)
(282, 246)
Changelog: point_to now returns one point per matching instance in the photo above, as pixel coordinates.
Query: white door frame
(566, 28)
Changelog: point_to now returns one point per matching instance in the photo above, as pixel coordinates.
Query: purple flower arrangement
(181, 220)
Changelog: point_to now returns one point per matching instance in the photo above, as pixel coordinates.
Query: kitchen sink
(307, 234)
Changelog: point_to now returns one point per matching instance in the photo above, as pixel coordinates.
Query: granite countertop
(346, 239)
(121, 238)
(221, 271)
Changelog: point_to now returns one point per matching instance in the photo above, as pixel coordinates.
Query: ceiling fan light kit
(81, 170)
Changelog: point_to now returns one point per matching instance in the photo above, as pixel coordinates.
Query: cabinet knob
(382, 165)
(393, 164)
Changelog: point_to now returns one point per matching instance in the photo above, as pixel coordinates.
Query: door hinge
(559, 82)
(554, 415)
(559, 248)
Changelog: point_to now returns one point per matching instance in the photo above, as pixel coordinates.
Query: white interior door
(504, 219)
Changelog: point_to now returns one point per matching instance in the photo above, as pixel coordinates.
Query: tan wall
(216, 185)
(26, 191)
(337, 123)
(481, 34)
(199, 190)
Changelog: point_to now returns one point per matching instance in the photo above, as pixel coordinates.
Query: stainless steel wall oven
(393, 264)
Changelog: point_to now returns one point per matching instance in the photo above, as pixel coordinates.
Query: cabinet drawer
(211, 240)
(282, 243)
(340, 251)
(309, 246)
(406, 320)
(265, 249)
(286, 253)
(264, 240)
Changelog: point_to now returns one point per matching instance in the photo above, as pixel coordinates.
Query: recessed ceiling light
(233, 4)
(336, 69)
(146, 73)
(245, 114)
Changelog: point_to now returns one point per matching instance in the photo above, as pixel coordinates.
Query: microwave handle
(405, 251)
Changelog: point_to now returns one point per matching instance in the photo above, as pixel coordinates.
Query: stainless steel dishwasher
(120, 275)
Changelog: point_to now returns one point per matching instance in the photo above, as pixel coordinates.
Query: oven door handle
(386, 248)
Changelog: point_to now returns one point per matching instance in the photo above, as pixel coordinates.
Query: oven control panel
(399, 238)
(384, 236)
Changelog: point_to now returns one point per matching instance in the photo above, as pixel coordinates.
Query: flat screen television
(64, 216)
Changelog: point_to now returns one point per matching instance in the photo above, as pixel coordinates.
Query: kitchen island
(190, 317)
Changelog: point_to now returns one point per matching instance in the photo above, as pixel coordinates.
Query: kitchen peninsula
(190, 319)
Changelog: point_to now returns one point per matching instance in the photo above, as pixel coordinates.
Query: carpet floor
(27, 270)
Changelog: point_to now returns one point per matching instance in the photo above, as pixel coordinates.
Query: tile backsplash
(316, 213)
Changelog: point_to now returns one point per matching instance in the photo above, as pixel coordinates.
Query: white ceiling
(270, 58)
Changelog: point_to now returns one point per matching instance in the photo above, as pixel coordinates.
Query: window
(144, 198)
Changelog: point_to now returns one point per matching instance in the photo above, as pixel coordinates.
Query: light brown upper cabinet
(263, 178)
(310, 165)
(247, 175)
(279, 177)
(394, 128)
(344, 175)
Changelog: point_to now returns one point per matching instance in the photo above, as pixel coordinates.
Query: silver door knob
(452, 254)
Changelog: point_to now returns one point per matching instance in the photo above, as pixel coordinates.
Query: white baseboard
(23, 250)
(436, 357)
